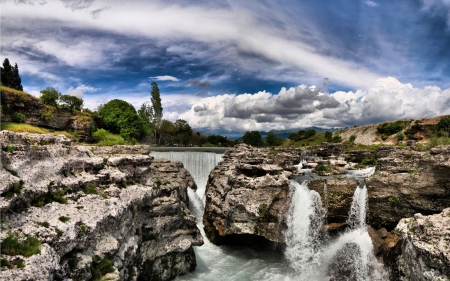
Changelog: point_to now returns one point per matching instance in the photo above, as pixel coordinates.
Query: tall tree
(17, 81)
(253, 138)
(157, 108)
(146, 114)
(183, 132)
(50, 96)
(7, 74)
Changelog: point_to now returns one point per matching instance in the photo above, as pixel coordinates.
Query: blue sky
(231, 66)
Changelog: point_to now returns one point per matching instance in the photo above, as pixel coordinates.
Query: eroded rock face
(425, 248)
(88, 205)
(408, 182)
(247, 196)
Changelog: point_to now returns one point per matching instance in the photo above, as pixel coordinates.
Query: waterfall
(199, 165)
(305, 221)
(357, 215)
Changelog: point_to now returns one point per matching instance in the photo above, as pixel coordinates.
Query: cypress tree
(157, 108)
(16, 78)
(7, 74)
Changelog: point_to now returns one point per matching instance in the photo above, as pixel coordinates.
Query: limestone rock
(89, 205)
(247, 196)
(425, 249)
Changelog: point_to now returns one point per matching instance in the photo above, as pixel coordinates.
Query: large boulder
(247, 196)
(425, 248)
(95, 211)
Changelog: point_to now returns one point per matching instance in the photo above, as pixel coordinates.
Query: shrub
(400, 136)
(337, 139)
(47, 113)
(64, 219)
(98, 269)
(10, 149)
(90, 189)
(12, 246)
(390, 128)
(50, 96)
(103, 137)
(19, 117)
(45, 224)
(352, 138)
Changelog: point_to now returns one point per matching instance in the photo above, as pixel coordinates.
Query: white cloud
(165, 78)
(386, 99)
(80, 90)
(240, 31)
(371, 3)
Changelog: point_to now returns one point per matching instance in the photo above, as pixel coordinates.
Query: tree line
(10, 76)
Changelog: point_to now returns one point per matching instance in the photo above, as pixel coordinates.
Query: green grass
(12, 246)
(105, 138)
(21, 94)
(314, 140)
(90, 189)
(19, 128)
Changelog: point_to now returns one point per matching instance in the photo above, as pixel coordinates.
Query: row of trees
(254, 138)
(50, 96)
(10, 76)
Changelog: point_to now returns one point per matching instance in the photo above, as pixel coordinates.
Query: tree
(253, 138)
(17, 81)
(273, 140)
(309, 133)
(183, 131)
(120, 117)
(157, 107)
(146, 114)
(71, 102)
(7, 75)
(166, 130)
(50, 96)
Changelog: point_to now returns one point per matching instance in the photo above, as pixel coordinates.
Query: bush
(390, 128)
(12, 246)
(103, 137)
(352, 138)
(64, 219)
(337, 139)
(400, 136)
(19, 117)
(90, 189)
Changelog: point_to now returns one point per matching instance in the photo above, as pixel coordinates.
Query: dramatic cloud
(165, 78)
(386, 99)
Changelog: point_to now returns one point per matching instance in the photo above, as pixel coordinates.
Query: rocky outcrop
(39, 114)
(114, 213)
(425, 248)
(408, 182)
(337, 196)
(247, 196)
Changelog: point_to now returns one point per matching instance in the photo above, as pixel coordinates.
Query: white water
(309, 255)
(199, 165)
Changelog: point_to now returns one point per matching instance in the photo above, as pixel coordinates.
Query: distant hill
(285, 133)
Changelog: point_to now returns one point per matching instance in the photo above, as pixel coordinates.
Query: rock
(90, 205)
(425, 248)
(336, 195)
(407, 182)
(247, 196)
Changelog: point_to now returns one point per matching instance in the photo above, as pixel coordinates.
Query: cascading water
(310, 254)
(199, 165)
(304, 228)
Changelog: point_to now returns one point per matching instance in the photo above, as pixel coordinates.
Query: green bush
(12, 246)
(64, 219)
(390, 128)
(71, 102)
(105, 138)
(98, 269)
(10, 149)
(19, 117)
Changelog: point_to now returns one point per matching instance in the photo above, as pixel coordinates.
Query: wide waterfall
(310, 253)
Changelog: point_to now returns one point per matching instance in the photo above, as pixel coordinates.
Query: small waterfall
(357, 215)
(305, 221)
(199, 164)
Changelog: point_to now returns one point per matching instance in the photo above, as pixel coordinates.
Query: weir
(310, 254)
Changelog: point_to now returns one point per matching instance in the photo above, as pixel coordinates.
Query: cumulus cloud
(165, 78)
(80, 90)
(386, 99)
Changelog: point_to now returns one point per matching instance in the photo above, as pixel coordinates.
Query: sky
(230, 66)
